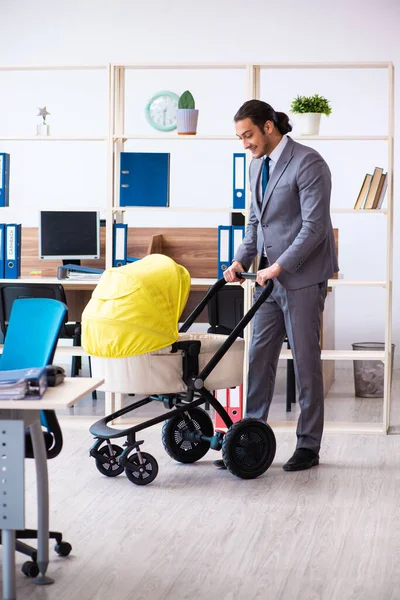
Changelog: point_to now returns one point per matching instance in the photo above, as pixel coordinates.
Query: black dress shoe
(219, 463)
(302, 459)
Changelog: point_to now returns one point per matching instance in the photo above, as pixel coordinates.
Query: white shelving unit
(119, 137)
(253, 73)
(116, 136)
(387, 284)
(62, 138)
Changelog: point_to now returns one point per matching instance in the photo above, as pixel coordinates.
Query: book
(381, 191)
(4, 178)
(145, 179)
(16, 384)
(369, 201)
(363, 192)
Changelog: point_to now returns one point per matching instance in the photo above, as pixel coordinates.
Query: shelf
(262, 65)
(63, 351)
(226, 209)
(182, 65)
(356, 283)
(342, 138)
(373, 211)
(54, 68)
(342, 355)
(70, 351)
(173, 136)
(330, 427)
(331, 282)
(324, 65)
(53, 138)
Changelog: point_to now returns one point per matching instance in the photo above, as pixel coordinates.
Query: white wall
(97, 31)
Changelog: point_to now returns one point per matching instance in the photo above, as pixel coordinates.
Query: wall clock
(161, 110)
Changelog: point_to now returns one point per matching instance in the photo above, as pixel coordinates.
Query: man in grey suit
(291, 231)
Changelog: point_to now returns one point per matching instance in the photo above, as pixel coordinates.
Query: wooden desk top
(69, 284)
(199, 284)
(90, 284)
(62, 396)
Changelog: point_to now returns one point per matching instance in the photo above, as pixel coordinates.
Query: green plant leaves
(311, 104)
(186, 100)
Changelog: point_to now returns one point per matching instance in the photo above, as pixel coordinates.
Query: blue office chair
(31, 340)
(32, 333)
(9, 292)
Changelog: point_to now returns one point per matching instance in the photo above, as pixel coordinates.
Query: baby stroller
(198, 363)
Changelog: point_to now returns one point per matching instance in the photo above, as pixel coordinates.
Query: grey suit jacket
(294, 222)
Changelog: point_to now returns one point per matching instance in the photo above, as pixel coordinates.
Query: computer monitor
(69, 235)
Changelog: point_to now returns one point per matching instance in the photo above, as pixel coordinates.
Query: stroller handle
(245, 320)
(239, 327)
(246, 275)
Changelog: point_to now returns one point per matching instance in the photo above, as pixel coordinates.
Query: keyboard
(72, 276)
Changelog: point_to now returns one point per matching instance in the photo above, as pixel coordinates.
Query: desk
(78, 293)
(20, 414)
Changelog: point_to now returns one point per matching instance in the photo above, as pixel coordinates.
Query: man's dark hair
(260, 112)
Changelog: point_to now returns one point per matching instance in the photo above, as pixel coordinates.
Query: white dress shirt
(274, 157)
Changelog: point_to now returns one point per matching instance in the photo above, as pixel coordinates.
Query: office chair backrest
(33, 330)
(225, 309)
(32, 333)
(9, 292)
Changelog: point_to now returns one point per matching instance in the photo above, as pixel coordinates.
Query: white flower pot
(308, 123)
(186, 120)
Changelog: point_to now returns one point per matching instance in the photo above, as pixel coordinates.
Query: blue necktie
(265, 176)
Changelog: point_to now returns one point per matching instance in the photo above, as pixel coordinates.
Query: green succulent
(186, 100)
(311, 104)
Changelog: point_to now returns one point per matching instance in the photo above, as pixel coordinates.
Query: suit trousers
(297, 314)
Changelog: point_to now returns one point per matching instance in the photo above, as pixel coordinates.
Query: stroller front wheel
(142, 470)
(248, 448)
(110, 468)
(175, 436)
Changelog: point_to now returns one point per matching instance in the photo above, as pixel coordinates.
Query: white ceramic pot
(308, 123)
(186, 120)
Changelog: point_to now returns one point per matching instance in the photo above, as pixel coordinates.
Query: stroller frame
(248, 446)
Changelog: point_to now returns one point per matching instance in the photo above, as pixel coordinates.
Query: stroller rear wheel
(248, 448)
(111, 468)
(143, 470)
(175, 435)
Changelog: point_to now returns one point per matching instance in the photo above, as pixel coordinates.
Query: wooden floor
(196, 532)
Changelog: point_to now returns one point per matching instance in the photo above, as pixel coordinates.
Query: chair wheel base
(42, 580)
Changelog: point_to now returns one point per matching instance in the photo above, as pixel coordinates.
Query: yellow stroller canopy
(136, 308)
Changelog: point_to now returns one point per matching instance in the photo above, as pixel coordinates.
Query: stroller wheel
(174, 437)
(110, 468)
(142, 473)
(248, 448)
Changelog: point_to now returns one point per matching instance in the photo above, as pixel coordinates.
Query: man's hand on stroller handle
(230, 275)
(235, 273)
(269, 273)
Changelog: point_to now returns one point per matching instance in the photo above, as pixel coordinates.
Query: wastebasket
(369, 374)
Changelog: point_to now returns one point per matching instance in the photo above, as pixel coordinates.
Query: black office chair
(225, 310)
(71, 331)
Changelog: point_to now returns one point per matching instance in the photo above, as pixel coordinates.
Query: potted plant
(308, 111)
(186, 115)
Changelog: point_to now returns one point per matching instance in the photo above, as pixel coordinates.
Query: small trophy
(43, 128)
